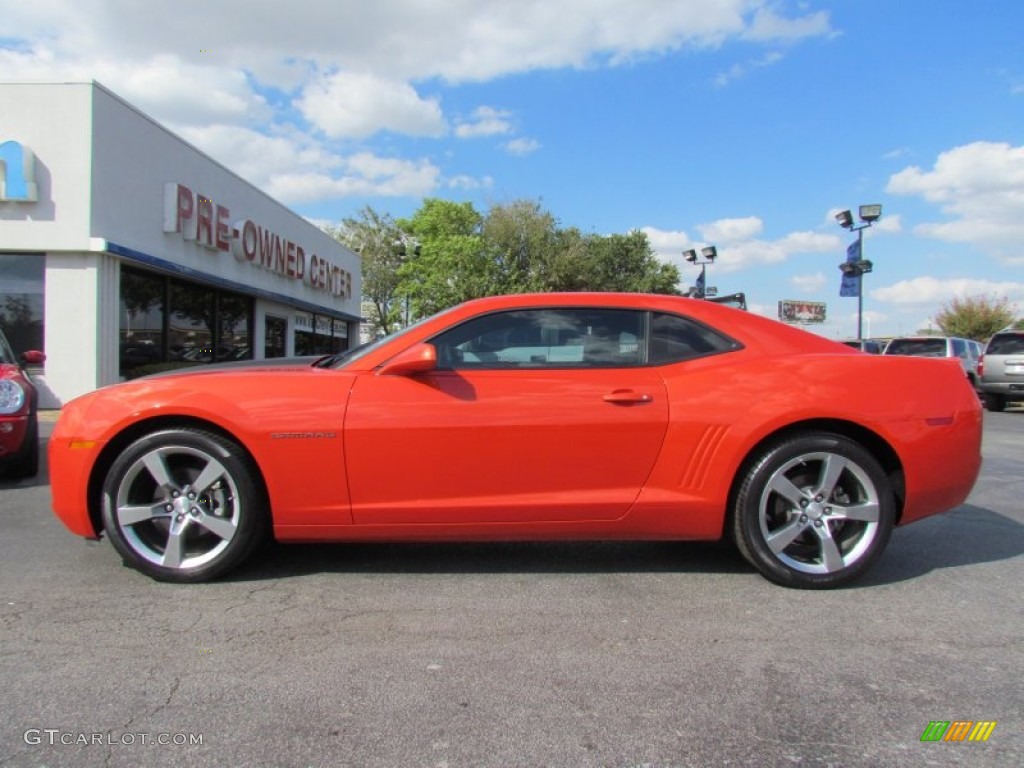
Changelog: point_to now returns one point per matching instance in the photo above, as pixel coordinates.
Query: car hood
(274, 364)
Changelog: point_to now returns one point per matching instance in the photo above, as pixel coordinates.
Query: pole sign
(850, 285)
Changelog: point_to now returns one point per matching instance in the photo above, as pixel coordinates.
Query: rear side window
(1006, 344)
(674, 339)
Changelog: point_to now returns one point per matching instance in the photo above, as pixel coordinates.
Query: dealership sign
(17, 173)
(801, 311)
(198, 218)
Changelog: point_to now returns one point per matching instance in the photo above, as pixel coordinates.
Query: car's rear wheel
(995, 402)
(184, 505)
(813, 511)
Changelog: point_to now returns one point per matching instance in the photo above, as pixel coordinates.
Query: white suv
(966, 350)
(1001, 369)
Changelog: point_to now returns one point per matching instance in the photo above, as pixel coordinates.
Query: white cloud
(521, 146)
(294, 168)
(738, 245)
(204, 67)
(980, 186)
(736, 71)
(666, 244)
(931, 290)
(486, 121)
(469, 182)
(731, 230)
(809, 283)
(346, 105)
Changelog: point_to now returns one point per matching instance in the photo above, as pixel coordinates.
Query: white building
(124, 249)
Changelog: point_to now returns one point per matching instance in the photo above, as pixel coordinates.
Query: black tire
(26, 462)
(995, 402)
(813, 511)
(184, 505)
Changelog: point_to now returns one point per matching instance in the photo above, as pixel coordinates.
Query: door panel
(506, 445)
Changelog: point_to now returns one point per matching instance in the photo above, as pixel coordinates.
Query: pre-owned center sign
(197, 217)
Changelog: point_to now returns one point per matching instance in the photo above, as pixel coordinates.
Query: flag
(700, 283)
(850, 286)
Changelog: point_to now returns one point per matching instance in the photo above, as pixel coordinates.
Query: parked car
(871, 346)
(1001, 369)
(19, 429)
(529, 417)
(964, 350)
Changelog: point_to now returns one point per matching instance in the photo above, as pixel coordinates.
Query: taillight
(981, 365)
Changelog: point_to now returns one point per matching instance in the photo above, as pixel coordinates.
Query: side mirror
(419, 358)
(33, 357)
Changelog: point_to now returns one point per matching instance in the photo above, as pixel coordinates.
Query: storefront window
(324, 337)
(142, 320)
(276, 335)
(21, 300)
(234, 340)
(167, 323)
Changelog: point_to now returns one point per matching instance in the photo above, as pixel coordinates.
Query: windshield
(6, 355)
(347, 358)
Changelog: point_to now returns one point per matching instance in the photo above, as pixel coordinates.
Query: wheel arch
(139, 429)
(874, 443)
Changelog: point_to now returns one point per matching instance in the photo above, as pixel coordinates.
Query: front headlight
(12, 396)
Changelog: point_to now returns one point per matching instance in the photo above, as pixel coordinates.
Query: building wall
(53, 122)
(116, 187)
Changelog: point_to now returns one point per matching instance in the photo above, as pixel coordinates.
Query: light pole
(856, 266)
(401, 248)
(709, 253)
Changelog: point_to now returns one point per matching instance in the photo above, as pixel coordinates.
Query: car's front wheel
(813, 511)
(184, 505)
(26, 462)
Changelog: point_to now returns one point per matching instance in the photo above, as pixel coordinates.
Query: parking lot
(647, 654)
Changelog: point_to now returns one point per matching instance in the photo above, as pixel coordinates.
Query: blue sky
(746, 124)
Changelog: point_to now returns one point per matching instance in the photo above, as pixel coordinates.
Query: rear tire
(995, 402)
(813, 511)
(184, 505)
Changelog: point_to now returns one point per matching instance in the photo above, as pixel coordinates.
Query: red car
(530, 417)
(19, 430)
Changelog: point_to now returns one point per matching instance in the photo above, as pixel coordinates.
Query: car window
(1006, 344)
(675, 338)
(959, 348)
(918, 347)
(571, 337)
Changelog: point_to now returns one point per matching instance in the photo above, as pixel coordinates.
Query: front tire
(813, 511)
(26, 462)
(184, 505)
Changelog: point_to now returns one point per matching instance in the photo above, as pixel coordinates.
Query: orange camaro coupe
(530, 417)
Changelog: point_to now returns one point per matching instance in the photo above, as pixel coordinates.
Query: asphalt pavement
(619, 655)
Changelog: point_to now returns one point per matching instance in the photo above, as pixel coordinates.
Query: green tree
(523, 240)
(453, 265)
(381, 246)
(974, 317)
(627, 263)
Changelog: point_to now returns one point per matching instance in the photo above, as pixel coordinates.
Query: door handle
(627, 397)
